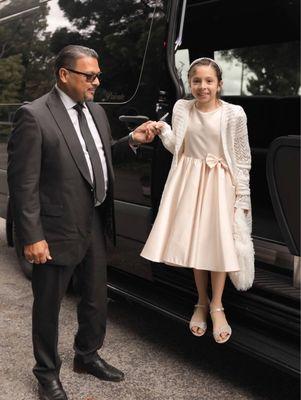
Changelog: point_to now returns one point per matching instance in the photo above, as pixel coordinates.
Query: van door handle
(137, 119)
(132, 121)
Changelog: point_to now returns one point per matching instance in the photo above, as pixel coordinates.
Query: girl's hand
(154, 128)
(159, 126)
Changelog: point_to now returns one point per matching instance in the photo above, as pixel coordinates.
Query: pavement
(160, 358)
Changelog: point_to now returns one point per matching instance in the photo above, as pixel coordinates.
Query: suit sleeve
(23, 174)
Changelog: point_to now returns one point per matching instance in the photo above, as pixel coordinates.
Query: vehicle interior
(263, 37)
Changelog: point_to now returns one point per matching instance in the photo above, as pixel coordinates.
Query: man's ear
(63, 73)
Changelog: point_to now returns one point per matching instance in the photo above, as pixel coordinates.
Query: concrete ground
(160, 358)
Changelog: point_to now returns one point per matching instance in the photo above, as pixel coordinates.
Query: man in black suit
(60, 178)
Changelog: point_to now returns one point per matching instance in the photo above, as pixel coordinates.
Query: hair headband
(203, 58)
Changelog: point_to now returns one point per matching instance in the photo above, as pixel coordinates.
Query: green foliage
(11, 77)
(26, 38)
(276, 68)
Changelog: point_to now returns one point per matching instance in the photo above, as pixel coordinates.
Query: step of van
(262, 326)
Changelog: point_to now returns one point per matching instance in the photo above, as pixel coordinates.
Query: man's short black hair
(67, 57)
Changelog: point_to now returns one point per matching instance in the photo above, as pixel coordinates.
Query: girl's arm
(242, 155)
(167, 135)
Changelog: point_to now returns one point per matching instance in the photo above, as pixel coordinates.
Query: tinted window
(31, 34)
(266, 70)
(263, 70)
(118, 31)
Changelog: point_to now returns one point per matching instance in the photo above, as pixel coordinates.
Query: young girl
(208, 181)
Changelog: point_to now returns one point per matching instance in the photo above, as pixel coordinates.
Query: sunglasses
(89, 77)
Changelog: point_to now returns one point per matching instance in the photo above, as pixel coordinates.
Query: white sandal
(199, 324)
(223, 329)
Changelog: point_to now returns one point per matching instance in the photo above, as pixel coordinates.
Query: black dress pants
(49, 284)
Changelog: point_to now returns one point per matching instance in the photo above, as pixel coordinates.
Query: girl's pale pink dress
(194, 225)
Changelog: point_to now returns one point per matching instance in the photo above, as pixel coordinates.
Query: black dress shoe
(52, 390)
(99, 368)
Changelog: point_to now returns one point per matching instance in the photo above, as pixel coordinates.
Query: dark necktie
(99, 183)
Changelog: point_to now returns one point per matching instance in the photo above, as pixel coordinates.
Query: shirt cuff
(133, 145)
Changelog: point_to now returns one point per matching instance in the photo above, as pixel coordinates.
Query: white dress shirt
(69, 104)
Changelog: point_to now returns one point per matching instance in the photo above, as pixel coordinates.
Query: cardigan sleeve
(167, 135)
(243, 162)
(167, 138)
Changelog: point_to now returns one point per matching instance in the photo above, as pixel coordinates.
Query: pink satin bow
(212, 161)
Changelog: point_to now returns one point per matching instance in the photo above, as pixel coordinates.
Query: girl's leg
(218, 280)
(201, 281)
(200, 314)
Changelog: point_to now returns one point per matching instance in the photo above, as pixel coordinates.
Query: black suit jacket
(51, 193)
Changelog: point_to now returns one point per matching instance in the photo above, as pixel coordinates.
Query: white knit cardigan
(235, 143)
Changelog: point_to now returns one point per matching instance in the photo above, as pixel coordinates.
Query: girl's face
(204, 85)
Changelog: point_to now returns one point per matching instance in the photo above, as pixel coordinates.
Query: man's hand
(37, 253)
(145, 132)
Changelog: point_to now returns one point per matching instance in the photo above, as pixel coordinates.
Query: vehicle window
(133, 172)
(257, 59)
(265, 70)
(182, 61)
(119, 34)
(9, 9)
(31, 34)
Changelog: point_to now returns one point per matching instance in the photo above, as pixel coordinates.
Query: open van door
(283, 175)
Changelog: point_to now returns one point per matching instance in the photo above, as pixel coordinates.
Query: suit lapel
(66, 127)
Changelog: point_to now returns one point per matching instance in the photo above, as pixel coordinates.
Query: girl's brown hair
(205, 61)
